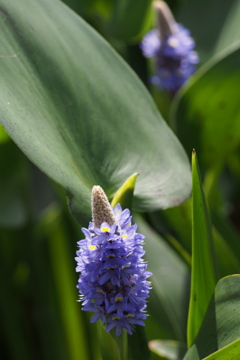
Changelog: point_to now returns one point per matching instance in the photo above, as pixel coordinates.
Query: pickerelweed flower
(172, 48)
(113, 278)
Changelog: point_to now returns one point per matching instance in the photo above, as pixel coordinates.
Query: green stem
(112, 347)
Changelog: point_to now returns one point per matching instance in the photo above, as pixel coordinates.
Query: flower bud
(101, 208)
(166, 24)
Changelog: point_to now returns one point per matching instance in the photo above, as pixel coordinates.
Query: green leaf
(192, 354)
(89, 8)
(178, 219)
(221, 324)
(81, 121)
(112, 347)
(128, 18)
(168, 349)
(230, 31)
(4, 137)
(170, 282)
(71, 315)
(124, 195)
(206, 112)
(231, 351)
(203, 277)
(228, 259)
(13, 317)
(138, 345)
(220, 27)
(227, 230)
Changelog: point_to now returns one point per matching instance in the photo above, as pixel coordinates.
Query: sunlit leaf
(203, 277)
(221, 324)
(124, 194)
(231, 351)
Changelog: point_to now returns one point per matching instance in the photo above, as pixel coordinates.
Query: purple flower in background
(172, 48)
(113, 278)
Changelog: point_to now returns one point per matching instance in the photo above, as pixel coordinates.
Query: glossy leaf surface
(78, 119)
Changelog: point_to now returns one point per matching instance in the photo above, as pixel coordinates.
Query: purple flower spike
(113, 278)
(172, 48)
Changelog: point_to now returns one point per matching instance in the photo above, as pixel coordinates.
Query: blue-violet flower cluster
(172, 47)
(113, 281)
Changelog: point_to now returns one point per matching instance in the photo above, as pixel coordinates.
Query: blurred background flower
(172, 48)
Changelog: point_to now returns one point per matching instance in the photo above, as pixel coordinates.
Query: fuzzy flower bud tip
(172, 48)
(113, 277)
(101, 209)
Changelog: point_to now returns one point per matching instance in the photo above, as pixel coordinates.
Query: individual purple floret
(113, 278)
(172, 48)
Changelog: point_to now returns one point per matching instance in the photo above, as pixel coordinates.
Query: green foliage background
(79, 105)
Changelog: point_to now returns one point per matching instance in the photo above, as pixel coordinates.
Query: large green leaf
(170, 281)
(221, 324)
(79, 113)
(203, 278)
(231, 351)
(206, 112)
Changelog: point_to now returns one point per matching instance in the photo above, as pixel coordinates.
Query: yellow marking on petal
(111, 267)
(111, 256)
(126, 266)
(105, 229)
(116, 318)
(125, 236)
(92, 247)
(100, 291)
(130, 315)
(119, 299)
